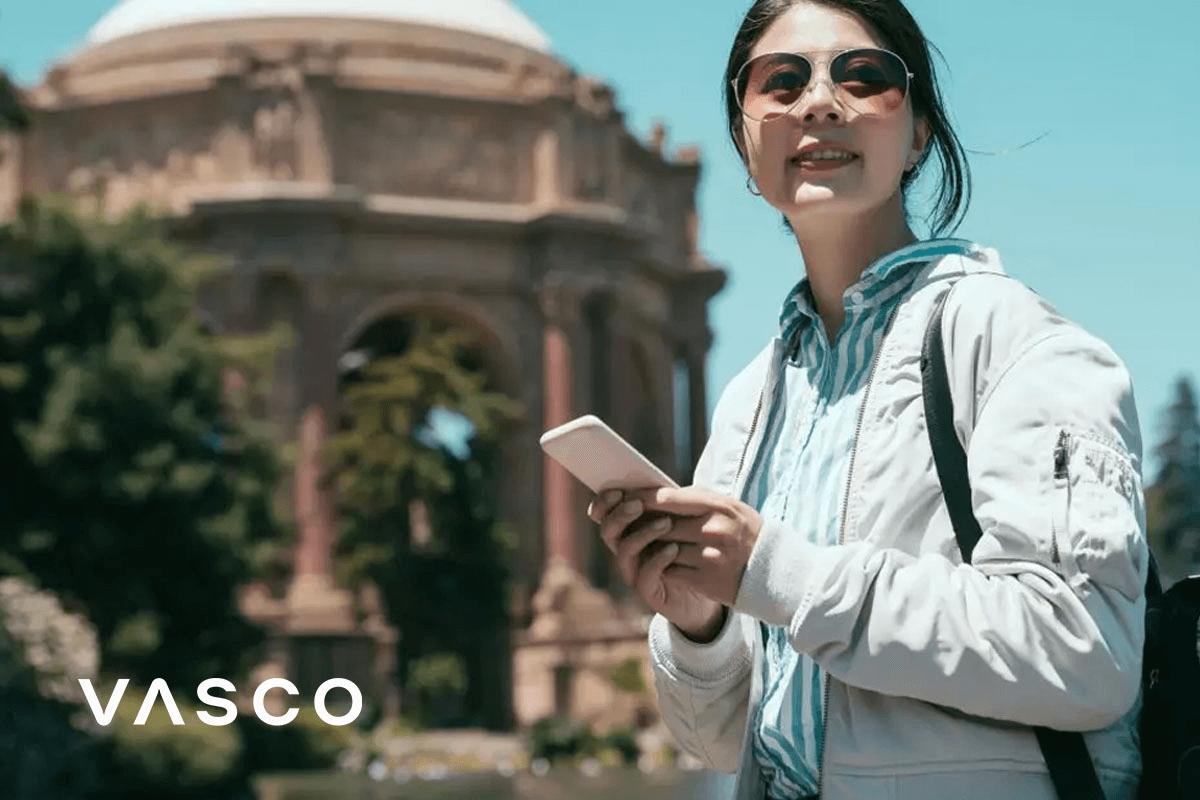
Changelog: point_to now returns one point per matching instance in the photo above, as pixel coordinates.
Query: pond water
(559, 784)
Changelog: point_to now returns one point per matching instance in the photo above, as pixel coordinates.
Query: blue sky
(1100, 216)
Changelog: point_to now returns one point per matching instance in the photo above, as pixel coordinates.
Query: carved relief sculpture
(155, 157)
(274, 137)
(592, 162)
(432, 154)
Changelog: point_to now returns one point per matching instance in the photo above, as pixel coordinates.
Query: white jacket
(936, 668)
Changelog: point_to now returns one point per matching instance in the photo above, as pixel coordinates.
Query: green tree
(132, 492)
(44, 650)
(1175, 497)
(447, 595)
(13, 115)
(458, 587)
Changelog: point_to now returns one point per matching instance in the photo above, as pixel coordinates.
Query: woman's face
(876, 149)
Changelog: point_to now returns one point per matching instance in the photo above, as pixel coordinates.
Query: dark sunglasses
(866, 79)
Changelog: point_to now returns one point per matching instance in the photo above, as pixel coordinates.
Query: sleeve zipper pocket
(1062, 480)
(1060, 456)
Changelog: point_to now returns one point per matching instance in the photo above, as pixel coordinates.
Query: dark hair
(900, 33)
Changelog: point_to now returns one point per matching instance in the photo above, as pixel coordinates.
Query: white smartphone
(597, 455)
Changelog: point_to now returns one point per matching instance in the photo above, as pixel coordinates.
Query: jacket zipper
(746, 447)
(862, 409)
(753, 427)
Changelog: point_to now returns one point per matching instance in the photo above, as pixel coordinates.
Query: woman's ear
(921, 134)
(739, 138)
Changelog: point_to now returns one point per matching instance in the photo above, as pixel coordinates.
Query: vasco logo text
(158, 688)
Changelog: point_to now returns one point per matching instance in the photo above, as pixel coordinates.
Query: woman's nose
(820, 102)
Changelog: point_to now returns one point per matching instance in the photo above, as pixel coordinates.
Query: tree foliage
(132, 493)
(13, 115)
(1175, 496)
(448, 594)
(386, 455)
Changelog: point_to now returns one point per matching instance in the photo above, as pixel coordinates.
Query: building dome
(498, 19)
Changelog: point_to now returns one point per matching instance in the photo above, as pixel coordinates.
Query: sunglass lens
(872, 81)
(772, 83)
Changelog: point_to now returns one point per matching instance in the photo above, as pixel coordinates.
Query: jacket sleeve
(703, 689)
(1045, 627)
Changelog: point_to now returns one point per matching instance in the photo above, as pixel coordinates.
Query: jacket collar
(799, 304)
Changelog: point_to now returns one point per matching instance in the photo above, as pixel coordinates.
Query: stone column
(559, 485)
(557, 659)
(316, 381)
(312, 508)
(320, 336)
(314, 600)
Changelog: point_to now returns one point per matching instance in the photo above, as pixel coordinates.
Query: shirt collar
(800, 305)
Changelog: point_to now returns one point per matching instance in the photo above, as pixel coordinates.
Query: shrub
(627, 676)
(42, 755)
(624, 741)
(439, 683)
(307, 743)
(163, 760)
(554, 738)
(44, 651)
(42, 646)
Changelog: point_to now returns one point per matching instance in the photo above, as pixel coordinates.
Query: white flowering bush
(42, 643)
(44, 651)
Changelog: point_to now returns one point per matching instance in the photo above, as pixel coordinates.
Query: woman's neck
(837, 250)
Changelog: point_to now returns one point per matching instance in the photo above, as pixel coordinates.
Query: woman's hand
(686, 562)
(645, 562)
(715, 533)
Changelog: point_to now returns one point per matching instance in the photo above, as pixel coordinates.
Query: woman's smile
(822, 157)
(823, 160)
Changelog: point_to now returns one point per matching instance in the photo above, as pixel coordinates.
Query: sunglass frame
(826, 63)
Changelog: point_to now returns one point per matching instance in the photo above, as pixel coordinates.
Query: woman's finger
(630, 546)
(686, 502)
(649, 584)
(695, 555)
(603, 503)
(617, 520)
(690, 530)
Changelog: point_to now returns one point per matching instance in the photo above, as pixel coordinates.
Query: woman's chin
(817, 200)
(810, 194)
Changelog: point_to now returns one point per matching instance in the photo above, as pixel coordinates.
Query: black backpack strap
(1066, 753)
(948, 454)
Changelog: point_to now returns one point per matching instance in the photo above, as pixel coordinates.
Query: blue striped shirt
(798, 478)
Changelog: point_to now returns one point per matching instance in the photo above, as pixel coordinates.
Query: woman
(816, 630)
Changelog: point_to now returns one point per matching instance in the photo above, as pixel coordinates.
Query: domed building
(367, 163)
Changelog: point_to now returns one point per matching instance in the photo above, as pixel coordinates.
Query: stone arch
(500, 357)
(392, 321)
